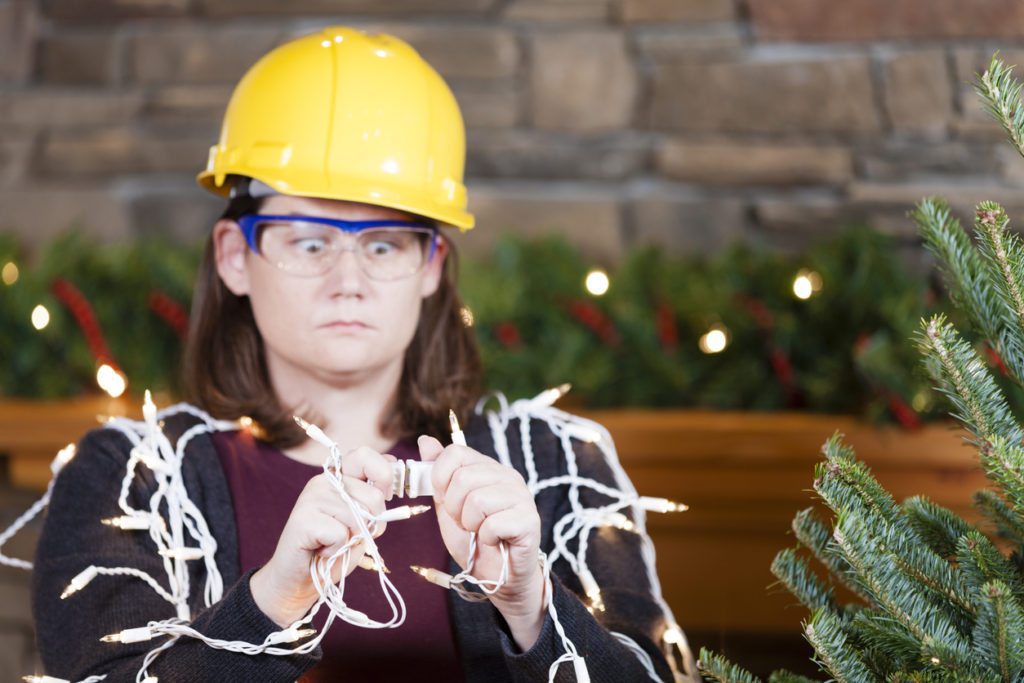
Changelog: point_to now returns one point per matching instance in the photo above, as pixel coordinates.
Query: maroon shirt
(264, 484)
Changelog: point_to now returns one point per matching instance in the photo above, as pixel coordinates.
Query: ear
(231, 251)
(434, 269)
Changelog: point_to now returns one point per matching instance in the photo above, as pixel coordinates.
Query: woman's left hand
(473, 492)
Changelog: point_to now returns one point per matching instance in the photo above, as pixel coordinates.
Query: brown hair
(225, 370)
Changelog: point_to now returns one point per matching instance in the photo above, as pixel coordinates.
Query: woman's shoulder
(110, 445)
(532, 431)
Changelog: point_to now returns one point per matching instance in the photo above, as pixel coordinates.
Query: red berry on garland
(507, 334)
(666, 322)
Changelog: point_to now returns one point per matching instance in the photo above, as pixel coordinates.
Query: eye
(309, 245)
(381, 247)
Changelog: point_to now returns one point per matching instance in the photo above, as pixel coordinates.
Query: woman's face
(307, 322)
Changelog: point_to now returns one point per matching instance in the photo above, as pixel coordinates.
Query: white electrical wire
(181, 534)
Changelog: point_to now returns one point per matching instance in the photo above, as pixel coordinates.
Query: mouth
(346, 325)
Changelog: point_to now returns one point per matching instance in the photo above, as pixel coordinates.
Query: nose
(346, 277)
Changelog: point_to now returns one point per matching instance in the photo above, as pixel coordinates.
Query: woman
(327, 291)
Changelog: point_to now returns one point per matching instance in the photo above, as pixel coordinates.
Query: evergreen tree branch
(902, 598)
(783, 676)
(793, 572)
(962, 269)
(1000, 92)
(717, 668)
(1003, 256)
(826, 635)
(963, 378)
(938, 527)
(1006, 520)
(1000, 631)
(816, 537)
(1003, 462)
(981, 562)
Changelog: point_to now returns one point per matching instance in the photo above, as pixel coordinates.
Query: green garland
(843, 350)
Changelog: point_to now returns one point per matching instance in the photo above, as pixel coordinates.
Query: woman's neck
(352, 406)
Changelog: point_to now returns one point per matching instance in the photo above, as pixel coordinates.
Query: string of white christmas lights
(151, 449)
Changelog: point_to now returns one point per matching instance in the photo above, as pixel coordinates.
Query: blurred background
(703, 202)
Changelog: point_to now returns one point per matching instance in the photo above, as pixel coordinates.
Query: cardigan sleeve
(68, 631)
(616, 560)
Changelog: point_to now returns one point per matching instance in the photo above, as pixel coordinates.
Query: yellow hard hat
(342, 114)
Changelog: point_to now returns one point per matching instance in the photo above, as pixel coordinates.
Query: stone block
(111, 151)
(733, 163)
(973, 122)
(460, 52)
(826, 95)
(19, 26)
(636, 11)
(103, 11)
(587, 216)
(488, 105)
(681, 224)
(1011, 167)
(905, 160)
(38, 213)
(537, 154)
(58, 108)
(918, 94)
(869, 20)
(963, 195)
(557, 10)
(88, 58)
(204, 104)
(15, 155)
(234, 8)
(799, 218)
(717, 42)
(179, 211)
(199, 54)
(970, 62)
(581, 81)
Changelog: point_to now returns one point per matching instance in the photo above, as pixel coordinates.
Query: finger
(369, 465)
(371, 497)
(517, 526)
(484, 502)
(324, 534)
(452, 458)
(467, 479)
(429, 447)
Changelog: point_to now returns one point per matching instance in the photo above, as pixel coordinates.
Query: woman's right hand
(320, 523)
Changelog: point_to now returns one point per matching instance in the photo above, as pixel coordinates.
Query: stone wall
(688, 123)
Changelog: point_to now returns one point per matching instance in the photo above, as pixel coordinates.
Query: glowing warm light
(922, 400)
(65, 454)
(597, 282)
(111, 381)
(9, 274)
(714, 340)
(673, 635)
(806, 284)
(467, 316)
(245, 422)
(40, 317)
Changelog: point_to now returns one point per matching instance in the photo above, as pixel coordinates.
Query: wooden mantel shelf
(744, 475)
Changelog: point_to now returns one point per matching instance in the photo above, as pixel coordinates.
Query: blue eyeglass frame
(249, 222)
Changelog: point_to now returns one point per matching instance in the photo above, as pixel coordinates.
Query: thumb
(430, 448)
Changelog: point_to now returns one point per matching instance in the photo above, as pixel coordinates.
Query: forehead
(330, 208)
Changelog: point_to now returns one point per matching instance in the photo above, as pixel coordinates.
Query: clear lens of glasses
(311, 249)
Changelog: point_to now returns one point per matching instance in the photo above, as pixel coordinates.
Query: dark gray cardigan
(68, 631)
